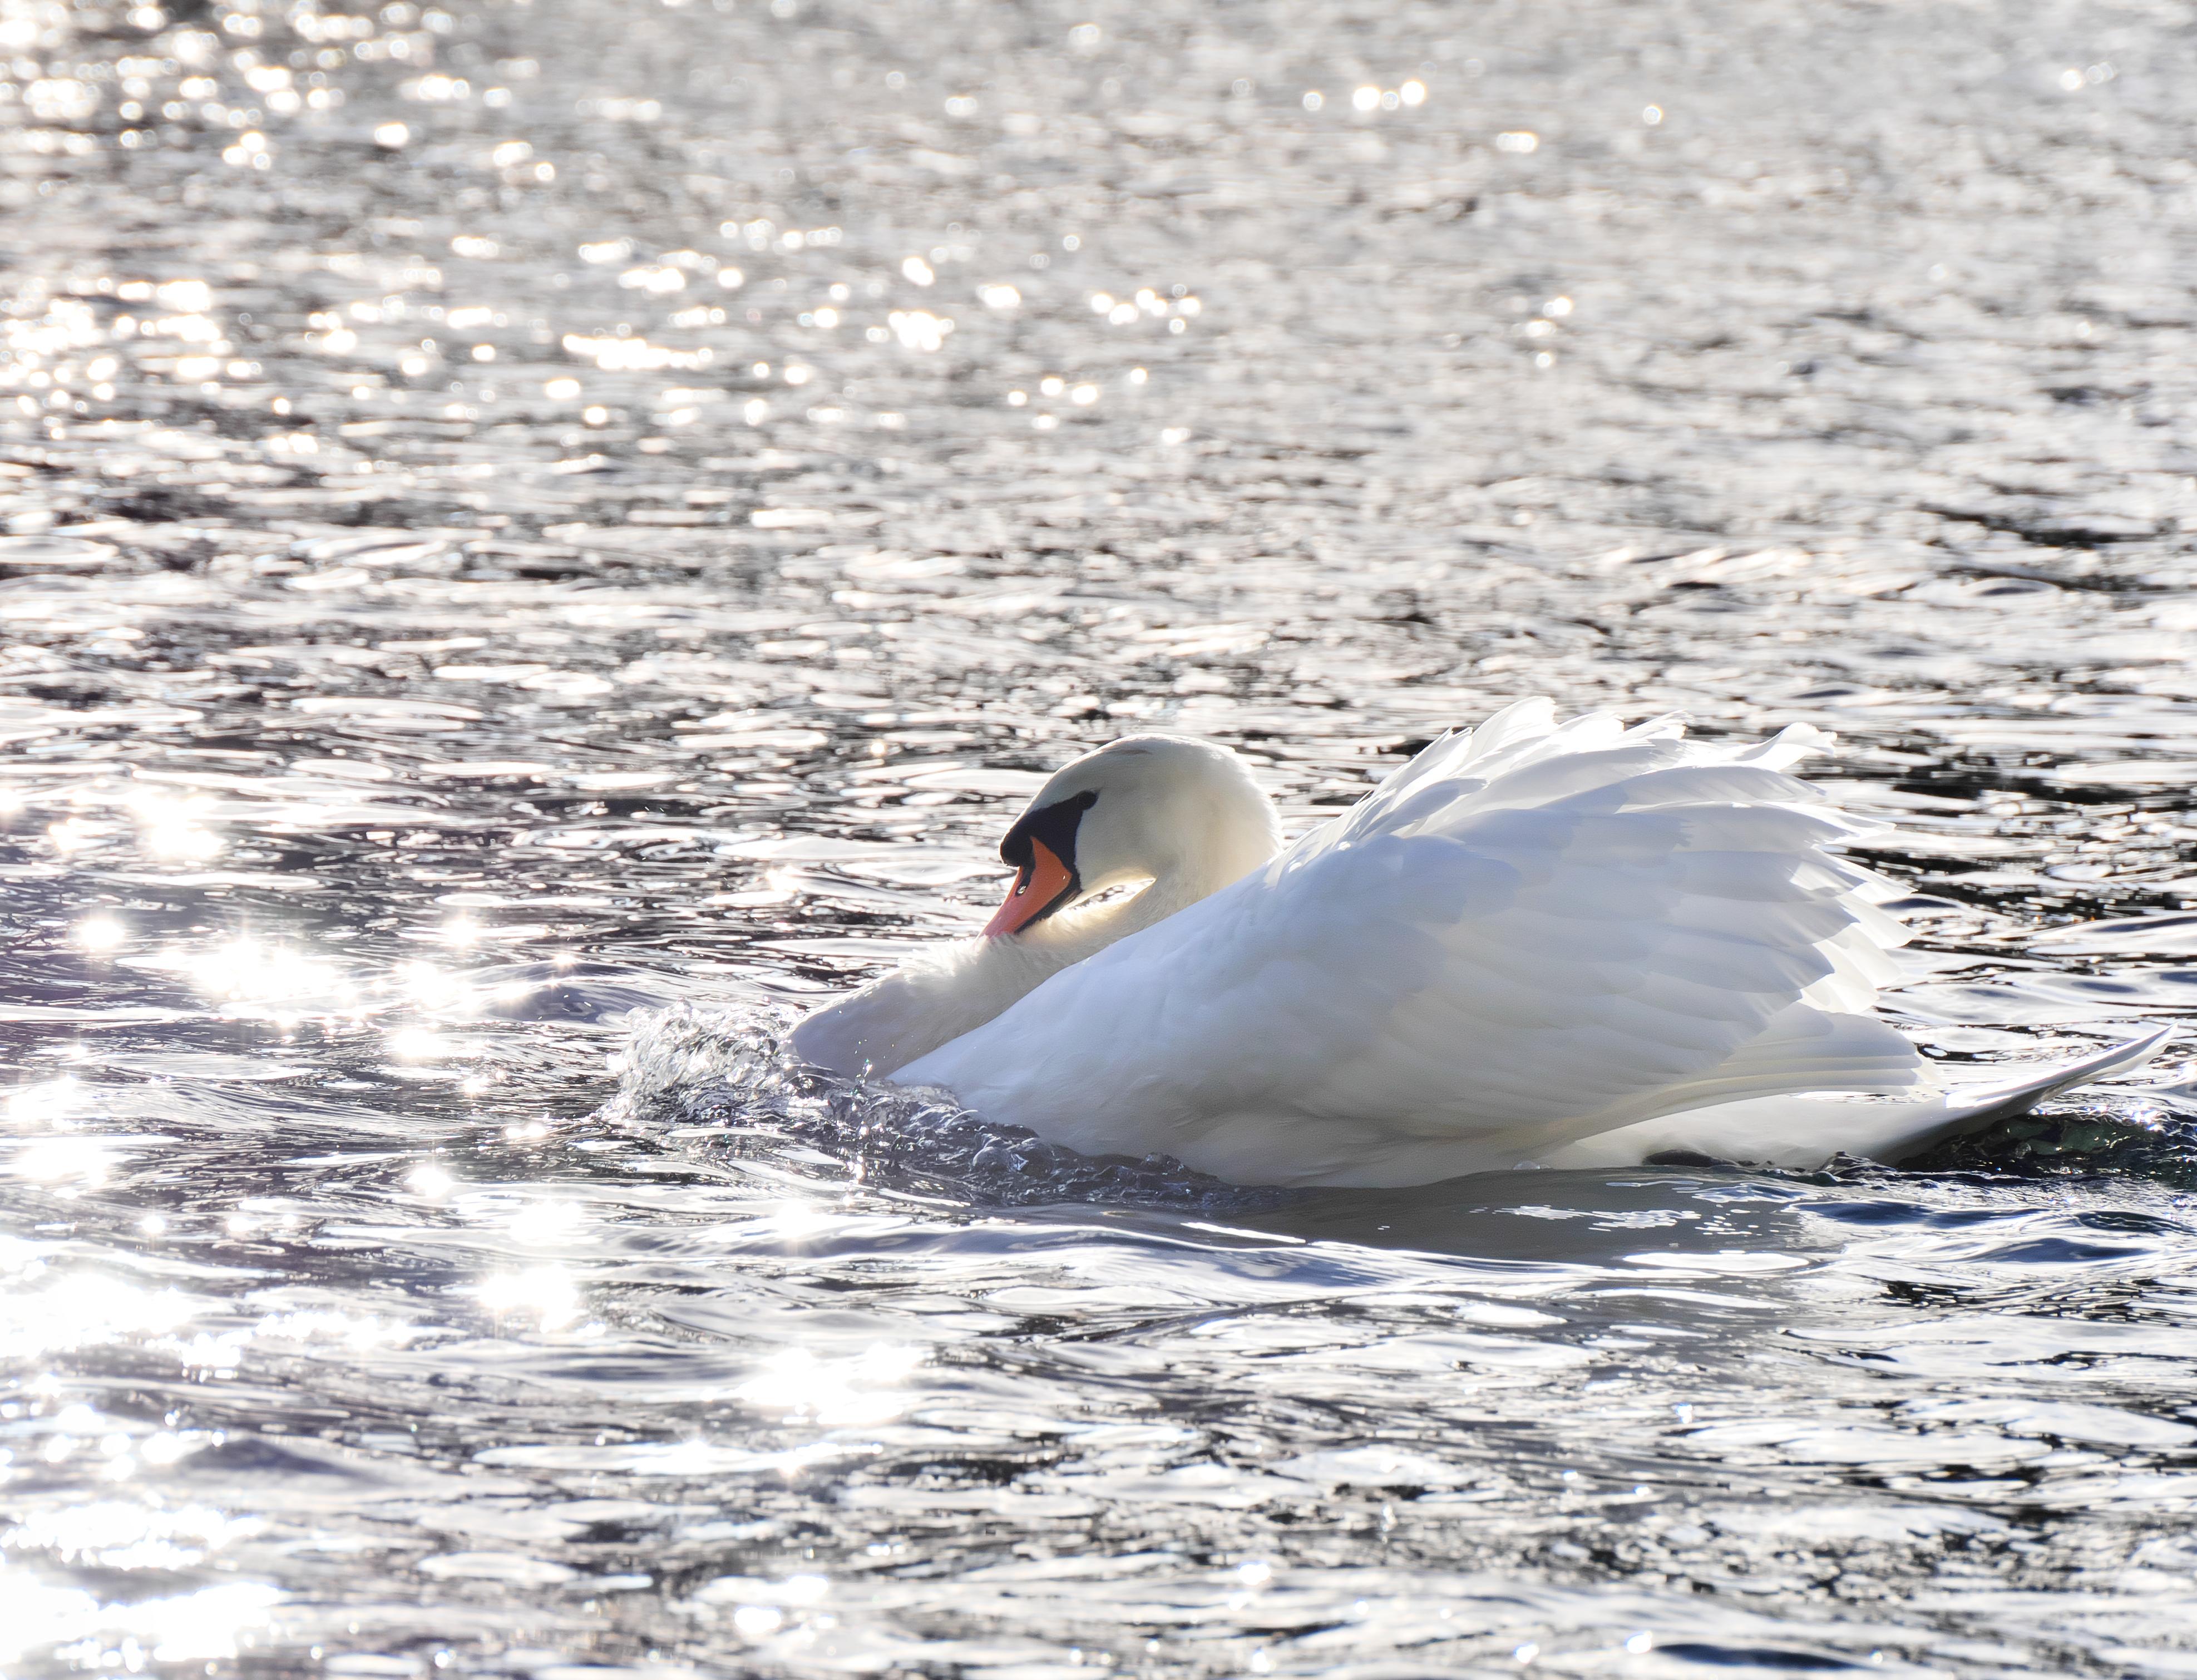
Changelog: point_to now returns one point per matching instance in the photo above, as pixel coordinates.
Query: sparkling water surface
(543, 538)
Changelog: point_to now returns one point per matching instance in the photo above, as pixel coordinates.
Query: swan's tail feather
(1805, 1132)
(1971, 1107)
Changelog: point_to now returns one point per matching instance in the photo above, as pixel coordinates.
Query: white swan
(1535, 944)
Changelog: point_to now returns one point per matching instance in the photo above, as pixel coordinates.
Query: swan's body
(1532, 945)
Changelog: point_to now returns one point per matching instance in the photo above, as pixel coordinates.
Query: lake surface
(519, 515)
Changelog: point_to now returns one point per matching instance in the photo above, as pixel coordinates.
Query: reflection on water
(522, 522)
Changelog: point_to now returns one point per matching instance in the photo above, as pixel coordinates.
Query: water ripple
(541, 540)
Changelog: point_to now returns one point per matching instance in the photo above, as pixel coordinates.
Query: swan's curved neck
(936, 997)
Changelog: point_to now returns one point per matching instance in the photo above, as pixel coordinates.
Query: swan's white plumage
(1532, 936)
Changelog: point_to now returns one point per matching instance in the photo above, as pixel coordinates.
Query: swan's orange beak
(1037, 887)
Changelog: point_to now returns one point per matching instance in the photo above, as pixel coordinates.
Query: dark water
(524, 513)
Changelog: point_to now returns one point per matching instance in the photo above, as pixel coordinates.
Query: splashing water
(723, 1083)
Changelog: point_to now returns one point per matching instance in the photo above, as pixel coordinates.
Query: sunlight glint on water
(523, 524)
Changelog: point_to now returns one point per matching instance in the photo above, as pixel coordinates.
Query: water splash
(721, 1082)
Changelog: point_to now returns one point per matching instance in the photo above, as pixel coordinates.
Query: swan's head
(1163, 809)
